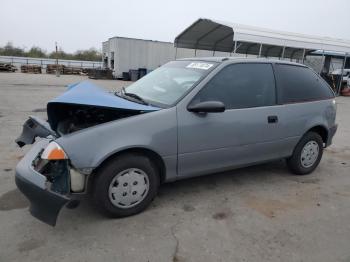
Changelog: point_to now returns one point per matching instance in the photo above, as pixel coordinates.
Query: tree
(86, 55)
(36, 52)
(10, 50)
(91, 55)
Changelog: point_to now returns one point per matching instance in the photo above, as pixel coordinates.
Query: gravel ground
(261, 213)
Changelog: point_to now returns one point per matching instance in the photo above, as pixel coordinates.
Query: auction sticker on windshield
(203, 66)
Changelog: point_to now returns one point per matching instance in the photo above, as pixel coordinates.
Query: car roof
(239, 60)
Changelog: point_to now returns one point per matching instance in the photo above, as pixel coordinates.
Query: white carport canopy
(206, 34)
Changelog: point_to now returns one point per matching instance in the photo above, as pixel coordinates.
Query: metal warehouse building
(123, 54)
(206, 37)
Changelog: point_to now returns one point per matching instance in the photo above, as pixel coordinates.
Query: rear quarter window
(298, 84)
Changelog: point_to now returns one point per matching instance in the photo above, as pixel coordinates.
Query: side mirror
(207, 107)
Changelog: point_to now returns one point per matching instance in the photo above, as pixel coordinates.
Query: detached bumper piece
(46, 197)
(32, 128)
(44, 205)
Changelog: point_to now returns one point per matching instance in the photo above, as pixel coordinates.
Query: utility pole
(57, 69)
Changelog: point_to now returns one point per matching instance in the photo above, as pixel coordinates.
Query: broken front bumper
(45, 204)
(32, 128)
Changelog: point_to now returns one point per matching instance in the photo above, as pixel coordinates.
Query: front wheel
(125, 185)
(307, 154)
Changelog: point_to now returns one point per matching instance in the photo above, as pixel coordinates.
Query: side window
(297, 83)
(241, 86)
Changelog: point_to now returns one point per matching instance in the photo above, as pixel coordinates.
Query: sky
(81, 24)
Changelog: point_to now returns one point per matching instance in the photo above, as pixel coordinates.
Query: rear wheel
(307, 154)
(125, 185)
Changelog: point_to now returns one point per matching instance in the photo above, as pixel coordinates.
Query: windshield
(167, 84)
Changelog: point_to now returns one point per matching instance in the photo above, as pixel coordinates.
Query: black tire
(107, 173)
(294, 162)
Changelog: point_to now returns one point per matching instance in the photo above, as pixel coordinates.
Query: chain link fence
(43, 62)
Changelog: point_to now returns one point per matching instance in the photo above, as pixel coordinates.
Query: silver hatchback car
(188, 118)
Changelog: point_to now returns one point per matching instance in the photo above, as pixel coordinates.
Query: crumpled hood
(86, 93)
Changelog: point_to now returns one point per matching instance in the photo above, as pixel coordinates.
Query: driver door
(244, 133)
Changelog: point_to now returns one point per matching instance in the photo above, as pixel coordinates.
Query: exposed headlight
(53, 152)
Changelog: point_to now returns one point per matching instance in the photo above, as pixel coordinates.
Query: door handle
(272, 119)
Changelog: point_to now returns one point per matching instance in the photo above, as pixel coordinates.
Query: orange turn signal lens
(53, 152)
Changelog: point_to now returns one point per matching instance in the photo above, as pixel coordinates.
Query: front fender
(156, 131)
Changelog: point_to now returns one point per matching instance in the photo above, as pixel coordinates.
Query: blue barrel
(134, 74)
(142, 72)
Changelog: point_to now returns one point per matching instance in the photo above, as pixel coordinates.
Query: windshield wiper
(120, 92)
(135, 96)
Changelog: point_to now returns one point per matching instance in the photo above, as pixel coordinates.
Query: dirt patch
(344, 194)
(310, 181)
(308, 195)
(341, 153)
(29, 245)
(188, 208)
(13, 200)
(7, 169)
(268, 207)
(222, 215)
(178, 259)
(304, 180)
(39, 110)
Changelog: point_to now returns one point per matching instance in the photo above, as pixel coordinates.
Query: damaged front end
(82, 106)
(45, 183)
(45, 174)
